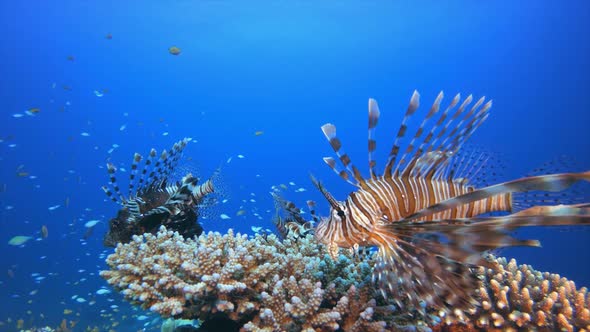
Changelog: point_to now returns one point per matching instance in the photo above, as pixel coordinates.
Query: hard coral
(516, 297)
(272, 284)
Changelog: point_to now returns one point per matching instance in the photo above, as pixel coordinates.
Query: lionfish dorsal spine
(157, 179)
(350, 170)
(109, 194)
(146, 167)
(401, 132)
(136, 159)
(447, 123)
(111, 169)
(410, 148)
(372, 143)
(426, 144)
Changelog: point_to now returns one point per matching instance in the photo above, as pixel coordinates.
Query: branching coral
(518, 298)
(261, 280)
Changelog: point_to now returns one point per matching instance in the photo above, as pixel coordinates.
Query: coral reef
(265, 284)
(262, 282)
(517, 298)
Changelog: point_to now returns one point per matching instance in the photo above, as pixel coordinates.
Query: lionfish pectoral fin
(415, 271)
(552, 183)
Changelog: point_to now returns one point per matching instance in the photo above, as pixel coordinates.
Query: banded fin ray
(112, 170)
(329, 131)
(146, 167)
(433, 110)
(136, 159)
(372, 143)
(401, 132)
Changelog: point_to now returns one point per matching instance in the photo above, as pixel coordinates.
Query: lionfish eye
(341, 213)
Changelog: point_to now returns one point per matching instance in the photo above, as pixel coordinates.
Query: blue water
(281, 67)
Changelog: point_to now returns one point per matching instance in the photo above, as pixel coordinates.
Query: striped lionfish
(293, 223)
(154, 200)
(430, 223)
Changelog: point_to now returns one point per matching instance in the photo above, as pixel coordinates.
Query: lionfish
(154, 199)
(293, 223)
(429, 222)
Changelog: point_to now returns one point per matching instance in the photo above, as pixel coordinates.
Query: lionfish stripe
(203, 190)
(412, 107)
(553, 182)
(158, 210)
(329, 131)
(372, 144)
(133, 208)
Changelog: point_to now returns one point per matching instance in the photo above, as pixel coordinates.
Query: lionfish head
(328, 229)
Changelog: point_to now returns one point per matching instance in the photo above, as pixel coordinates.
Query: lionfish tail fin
(550, 183)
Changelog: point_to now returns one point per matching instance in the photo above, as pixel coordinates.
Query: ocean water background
(281, 67)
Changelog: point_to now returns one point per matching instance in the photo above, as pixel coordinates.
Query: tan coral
(516, 297)
(275, 284)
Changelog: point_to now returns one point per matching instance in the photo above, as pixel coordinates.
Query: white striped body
(387, 200)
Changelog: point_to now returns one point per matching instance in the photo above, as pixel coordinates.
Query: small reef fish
(44, 232)
(174, 50)
(424, 214)
(18, 240)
